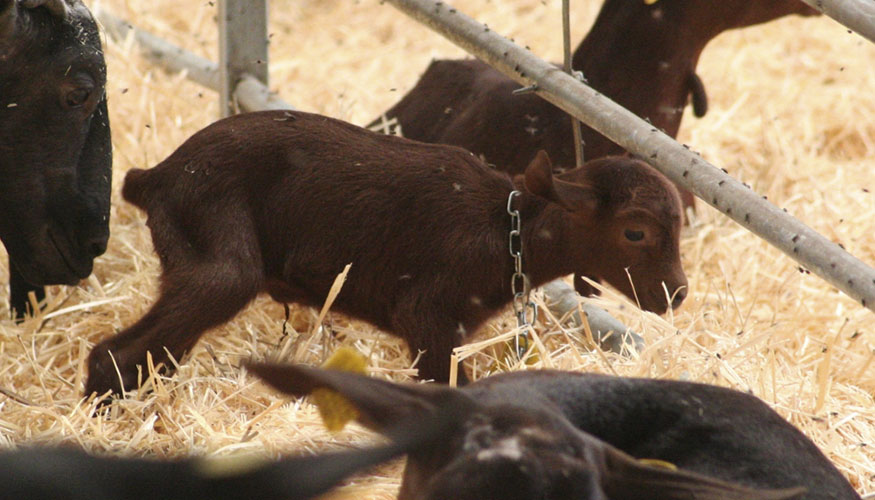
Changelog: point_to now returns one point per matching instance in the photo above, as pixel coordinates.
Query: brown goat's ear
(539, 176)
(571, 195)
(381, 404)
(630, 479)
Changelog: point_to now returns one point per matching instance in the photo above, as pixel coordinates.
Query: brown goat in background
(282, 201)
(641, 56)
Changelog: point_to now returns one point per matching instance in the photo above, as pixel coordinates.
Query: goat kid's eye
(77, 97)
(634, 235)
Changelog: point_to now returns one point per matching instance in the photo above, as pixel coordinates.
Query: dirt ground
(792, 113)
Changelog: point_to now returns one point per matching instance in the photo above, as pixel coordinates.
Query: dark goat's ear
(381, 404)
(300, 478)
(571, 195)
(58, 8)
(8, 17)
(630, 479)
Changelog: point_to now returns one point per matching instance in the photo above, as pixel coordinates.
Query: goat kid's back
(291, 198)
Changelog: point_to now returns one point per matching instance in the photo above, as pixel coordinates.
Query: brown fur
(282, 201)
(642, 56)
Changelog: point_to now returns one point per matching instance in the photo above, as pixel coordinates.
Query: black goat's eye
(78, 97)
(634, 235)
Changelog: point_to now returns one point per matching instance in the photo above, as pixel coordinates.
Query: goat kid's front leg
(19, 289)
(434, 335)
(190, 304)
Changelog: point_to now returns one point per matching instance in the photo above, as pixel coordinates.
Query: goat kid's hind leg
(188, 306)
(207, 278)
(435, 336)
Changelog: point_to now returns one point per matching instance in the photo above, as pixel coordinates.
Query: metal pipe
(858, 15)
(250, 94)
(242, 50)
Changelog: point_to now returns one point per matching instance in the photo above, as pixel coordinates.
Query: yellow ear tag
(650, 2)
(336, 411)
(508, 357)
(655, 462)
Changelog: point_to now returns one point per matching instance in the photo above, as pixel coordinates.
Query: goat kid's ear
(630, 479)
(539, 176)
(539, 180)
(382, 405)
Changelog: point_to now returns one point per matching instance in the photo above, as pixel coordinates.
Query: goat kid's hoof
(103, 377)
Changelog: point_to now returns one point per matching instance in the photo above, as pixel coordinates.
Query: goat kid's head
(501, 452)
(626, 225)
(55, 150)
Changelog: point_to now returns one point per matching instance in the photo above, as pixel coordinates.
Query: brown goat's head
(506, 451)
(55, 150)
(713, 16)
(627, 222)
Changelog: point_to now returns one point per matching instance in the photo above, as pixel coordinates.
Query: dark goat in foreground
(574, 436)
(641, 56)
(55, 150)
(53, 474)
(282, 201)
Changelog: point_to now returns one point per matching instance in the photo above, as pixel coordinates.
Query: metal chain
(519, 281)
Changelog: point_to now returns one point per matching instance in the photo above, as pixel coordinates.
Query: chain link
(519, 281)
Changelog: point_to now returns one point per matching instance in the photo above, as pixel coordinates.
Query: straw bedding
(792, 114)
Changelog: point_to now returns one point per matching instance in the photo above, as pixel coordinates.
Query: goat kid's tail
(138, 186)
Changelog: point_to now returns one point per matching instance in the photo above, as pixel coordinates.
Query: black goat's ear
(380, 404)
(630, 479)
(301, 478)
(571, 195)
(58, 8)
(8, 17)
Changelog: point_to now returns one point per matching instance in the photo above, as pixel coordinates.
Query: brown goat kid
(282, 201)
(641, 56)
